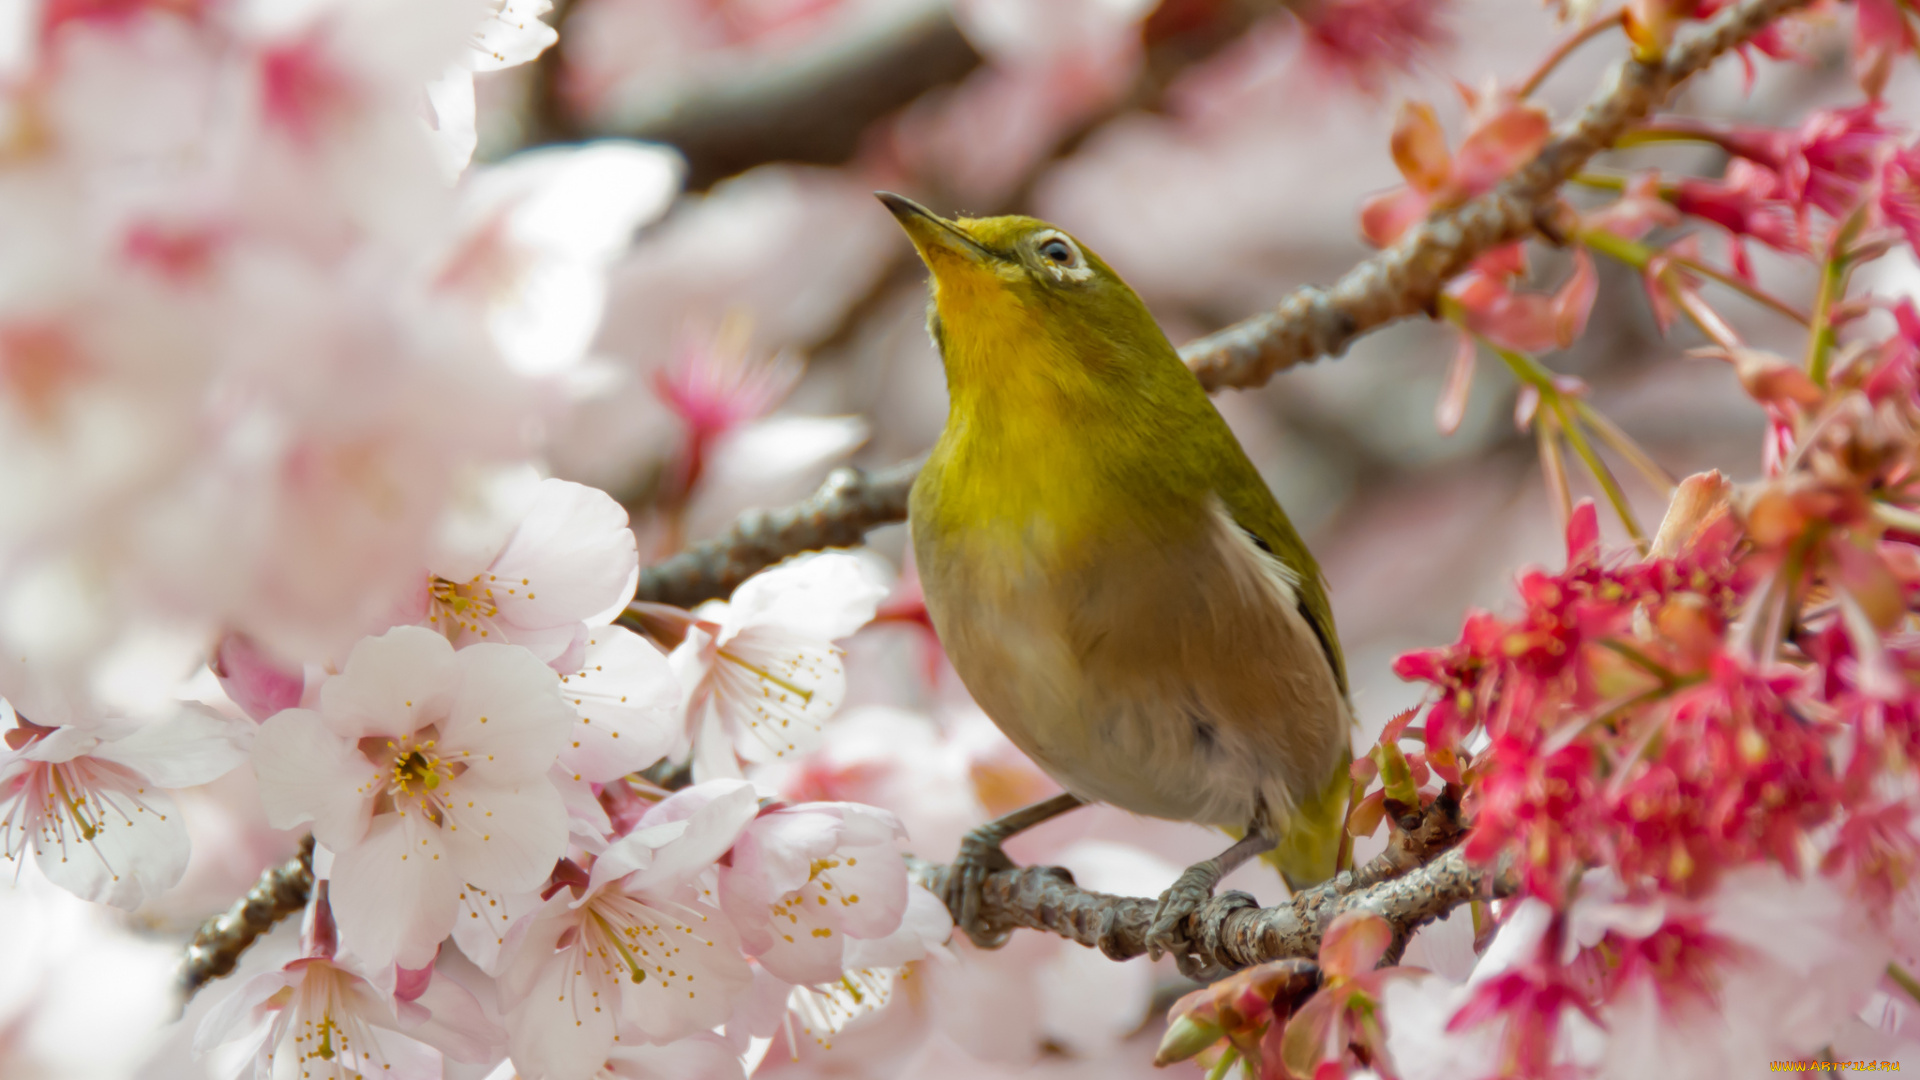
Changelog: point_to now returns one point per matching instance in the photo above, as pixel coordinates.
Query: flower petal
(628, 704)
(773, 689)
(393, 684)
(698, 992)
(456, 1026)
(507, 720)
(563, 1031)
(139, 844)
(307, 773)
(504, 837)
(709, 835)
(824, 595)
(513, 35)
(484, 921)
(1420, 147)
(394, 893)
(572, 560)
(189, 747)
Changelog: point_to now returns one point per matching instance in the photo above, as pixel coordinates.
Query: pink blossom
(1881, 35)
(327, 1021)
(1767, 967)
(542, 230)
(1369, 40)
(258, 683)
(628, 703)
(1745, 202)
(89, 798)
(807, 880)
(1899, 203)
(635, 952)
(1503, 133)
(509, 35)
(761, 671)
(1525, 322)
(422, 769)
(569, 564)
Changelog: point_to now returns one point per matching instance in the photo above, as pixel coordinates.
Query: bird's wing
(1258, 513)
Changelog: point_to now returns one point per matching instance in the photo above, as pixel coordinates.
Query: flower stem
(1224, 1065)
(1640, 257)
(1535, 374)
(1554, 467)
(1752, 292)
(1641, 660)
(1601, 474)
(1660, 479)
(1565, 49)
(1833, 286)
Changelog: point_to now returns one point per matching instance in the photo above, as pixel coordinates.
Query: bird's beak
(936, 238)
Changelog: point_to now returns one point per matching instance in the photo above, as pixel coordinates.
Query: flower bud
(1186, 1036)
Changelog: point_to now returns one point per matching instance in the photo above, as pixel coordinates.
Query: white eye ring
(1051, 246)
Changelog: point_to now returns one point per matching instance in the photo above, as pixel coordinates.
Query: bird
(1113, 581)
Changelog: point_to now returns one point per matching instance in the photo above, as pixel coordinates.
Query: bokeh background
(1215, 152)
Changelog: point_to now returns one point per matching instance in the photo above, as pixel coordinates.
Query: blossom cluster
(275, 360)
(1687, 767)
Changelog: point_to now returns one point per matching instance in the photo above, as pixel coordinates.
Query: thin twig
(1404, 280)
(1567, 48)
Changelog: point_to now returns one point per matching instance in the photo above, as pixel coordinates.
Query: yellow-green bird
(1110, 576)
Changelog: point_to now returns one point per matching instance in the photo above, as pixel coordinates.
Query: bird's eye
(1057, 251)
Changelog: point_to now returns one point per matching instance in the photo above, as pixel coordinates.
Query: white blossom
(423, 770)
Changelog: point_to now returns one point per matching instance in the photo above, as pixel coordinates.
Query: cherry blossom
(547, 225)
(510, 34)
(627, 703)
(634, 950)
(806, 881)
(570, 563)
(761, 671)
(253, 680)
(326, 1020)
(1525, 322)
(234, 394)
(89, 798)
(422, 769)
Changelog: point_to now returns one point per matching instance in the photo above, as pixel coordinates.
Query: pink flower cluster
(1690, 765)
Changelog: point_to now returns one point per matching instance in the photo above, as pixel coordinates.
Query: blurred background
(770, 326)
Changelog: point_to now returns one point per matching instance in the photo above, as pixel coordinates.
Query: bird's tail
(1310, 851)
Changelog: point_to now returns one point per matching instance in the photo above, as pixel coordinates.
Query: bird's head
(1015, 297)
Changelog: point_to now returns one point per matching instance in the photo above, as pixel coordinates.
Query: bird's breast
(1161, 669)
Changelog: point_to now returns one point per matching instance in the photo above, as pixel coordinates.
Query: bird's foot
(1168, 931)
(980, 855)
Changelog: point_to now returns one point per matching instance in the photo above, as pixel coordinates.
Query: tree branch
(813, 106)
(838, 515)
(1420, 877)
(1397, 283)
(1406, 279)
(217, 945)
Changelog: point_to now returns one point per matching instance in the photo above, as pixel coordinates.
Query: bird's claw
(980, 855)
(1168, 931)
